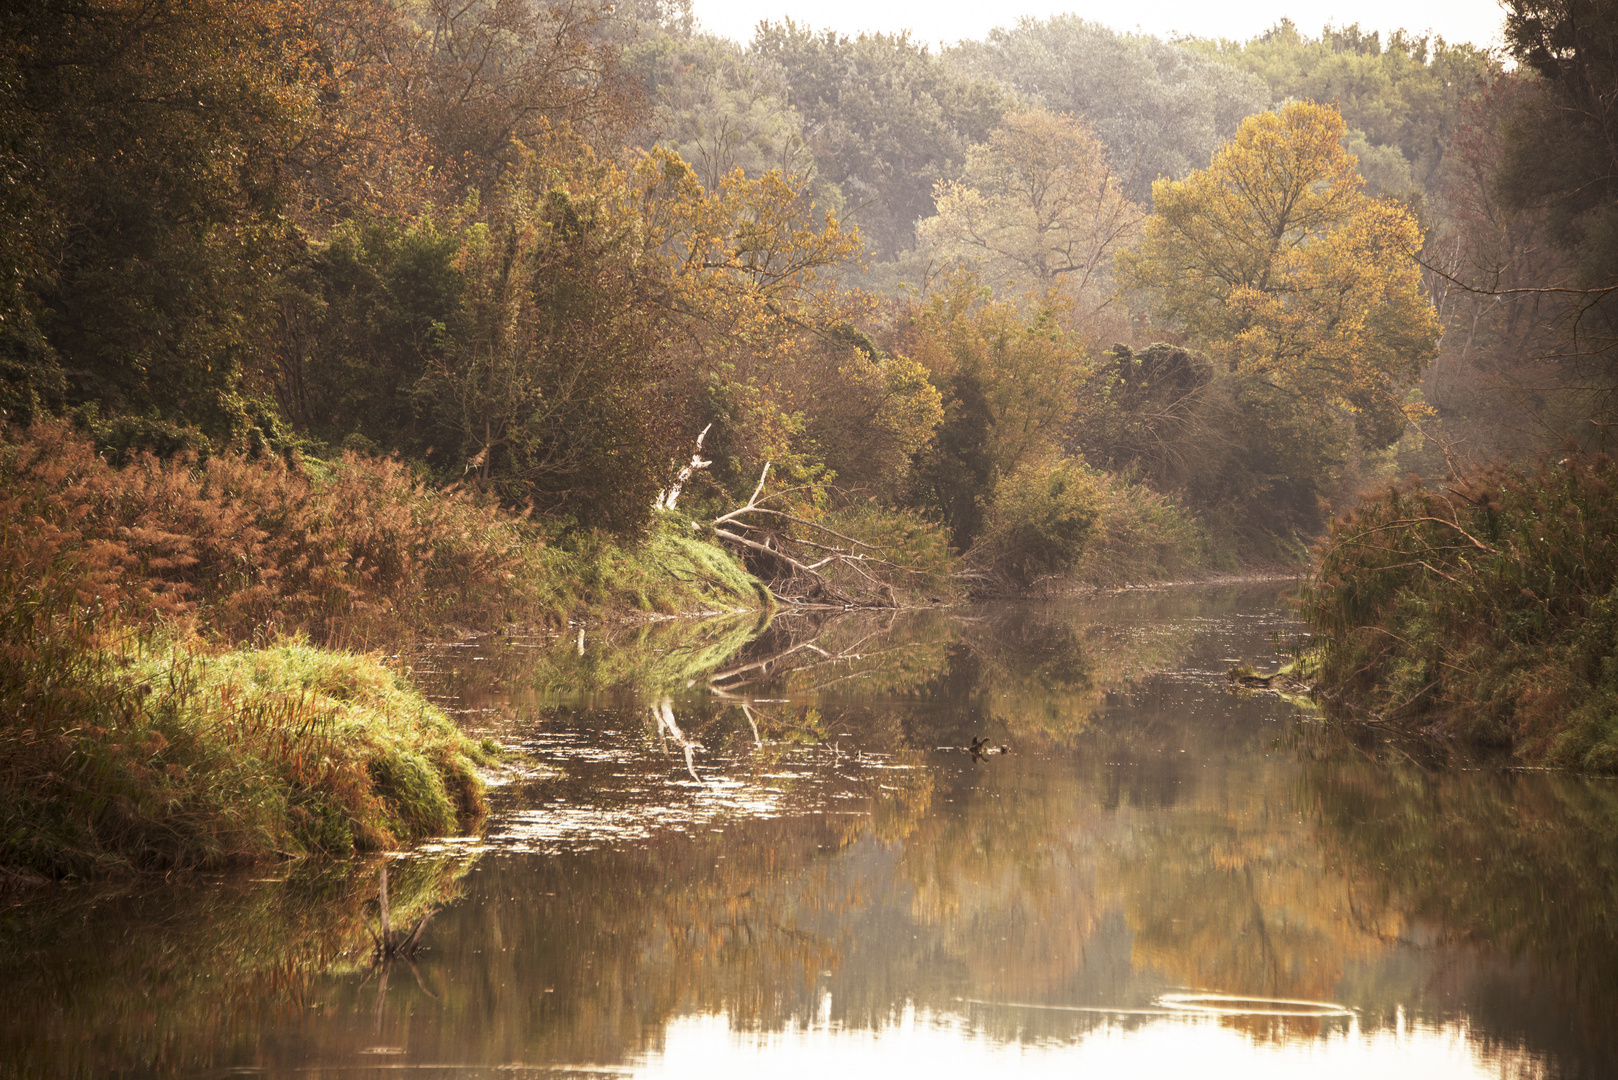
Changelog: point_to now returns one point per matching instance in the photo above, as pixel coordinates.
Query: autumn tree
(1009, 380)
(1037, 208)
(1304, 291)
(488, 75)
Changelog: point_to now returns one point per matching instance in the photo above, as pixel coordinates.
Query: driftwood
(667, 499)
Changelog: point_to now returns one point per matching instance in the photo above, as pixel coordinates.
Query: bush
(1488, 610)
(249, 548)
(1140, 535)
(1039, 522)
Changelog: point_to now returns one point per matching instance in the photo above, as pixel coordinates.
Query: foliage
(721, 109)
(1009, 381)
(248, 549)
(1147, 413)
(544, 387)
(1559, 160)
(1141, 536)
(486, 79)
(1402, 99)
(142, 200)
(120, 750)
(1488, 610)
(890, 119)
(1301, 289)
(1039, 523)
(1161, 108)
(1036, 208)
(358, 325)
(866, 414)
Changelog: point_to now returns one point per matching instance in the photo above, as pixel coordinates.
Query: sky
(947, 21)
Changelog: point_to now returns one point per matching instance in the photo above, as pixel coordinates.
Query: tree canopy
(1296, 283)
(1036, 208)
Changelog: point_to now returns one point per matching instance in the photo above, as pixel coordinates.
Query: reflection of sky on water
(939, 1046)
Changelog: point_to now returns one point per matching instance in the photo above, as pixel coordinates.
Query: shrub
(1039, 522)
(1488, 610)
(248, 548)
(1140, 535)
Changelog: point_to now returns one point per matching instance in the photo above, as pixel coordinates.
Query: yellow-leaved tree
(1301, 288)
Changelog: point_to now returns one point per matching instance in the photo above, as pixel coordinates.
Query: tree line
(1059, 284)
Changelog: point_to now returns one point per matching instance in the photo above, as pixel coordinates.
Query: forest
(323, 322)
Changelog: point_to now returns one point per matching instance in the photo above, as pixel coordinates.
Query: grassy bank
(163, 754)
(176, 688)
(1486, 611)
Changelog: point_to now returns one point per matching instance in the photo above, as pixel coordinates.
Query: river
(727, 850)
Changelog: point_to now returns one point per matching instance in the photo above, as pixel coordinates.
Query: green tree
(142, 202)
(1401, 97)
(722, 109)
(1161, 109)
(889, 119)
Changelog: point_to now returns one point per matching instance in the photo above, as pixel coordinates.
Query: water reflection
(788, 861)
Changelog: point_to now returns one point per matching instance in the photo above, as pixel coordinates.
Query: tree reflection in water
(794, 837)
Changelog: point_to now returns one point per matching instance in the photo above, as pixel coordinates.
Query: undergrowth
(1141, 536)
(1486, 611)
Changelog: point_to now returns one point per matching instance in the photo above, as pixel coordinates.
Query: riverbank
(186, 678)
(1485, 612)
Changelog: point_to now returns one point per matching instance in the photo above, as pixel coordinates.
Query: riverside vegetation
(326, 323)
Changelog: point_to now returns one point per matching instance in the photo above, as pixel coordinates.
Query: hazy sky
(1476, 21)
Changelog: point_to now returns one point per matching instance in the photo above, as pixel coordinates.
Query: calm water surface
(760, 853)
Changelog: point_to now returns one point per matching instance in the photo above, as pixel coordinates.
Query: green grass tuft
(160, 755)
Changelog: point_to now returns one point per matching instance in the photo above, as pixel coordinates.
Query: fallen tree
(807, 561)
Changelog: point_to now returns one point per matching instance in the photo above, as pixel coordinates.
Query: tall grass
(1487, 610)
(1141, 536)
(168, 753)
